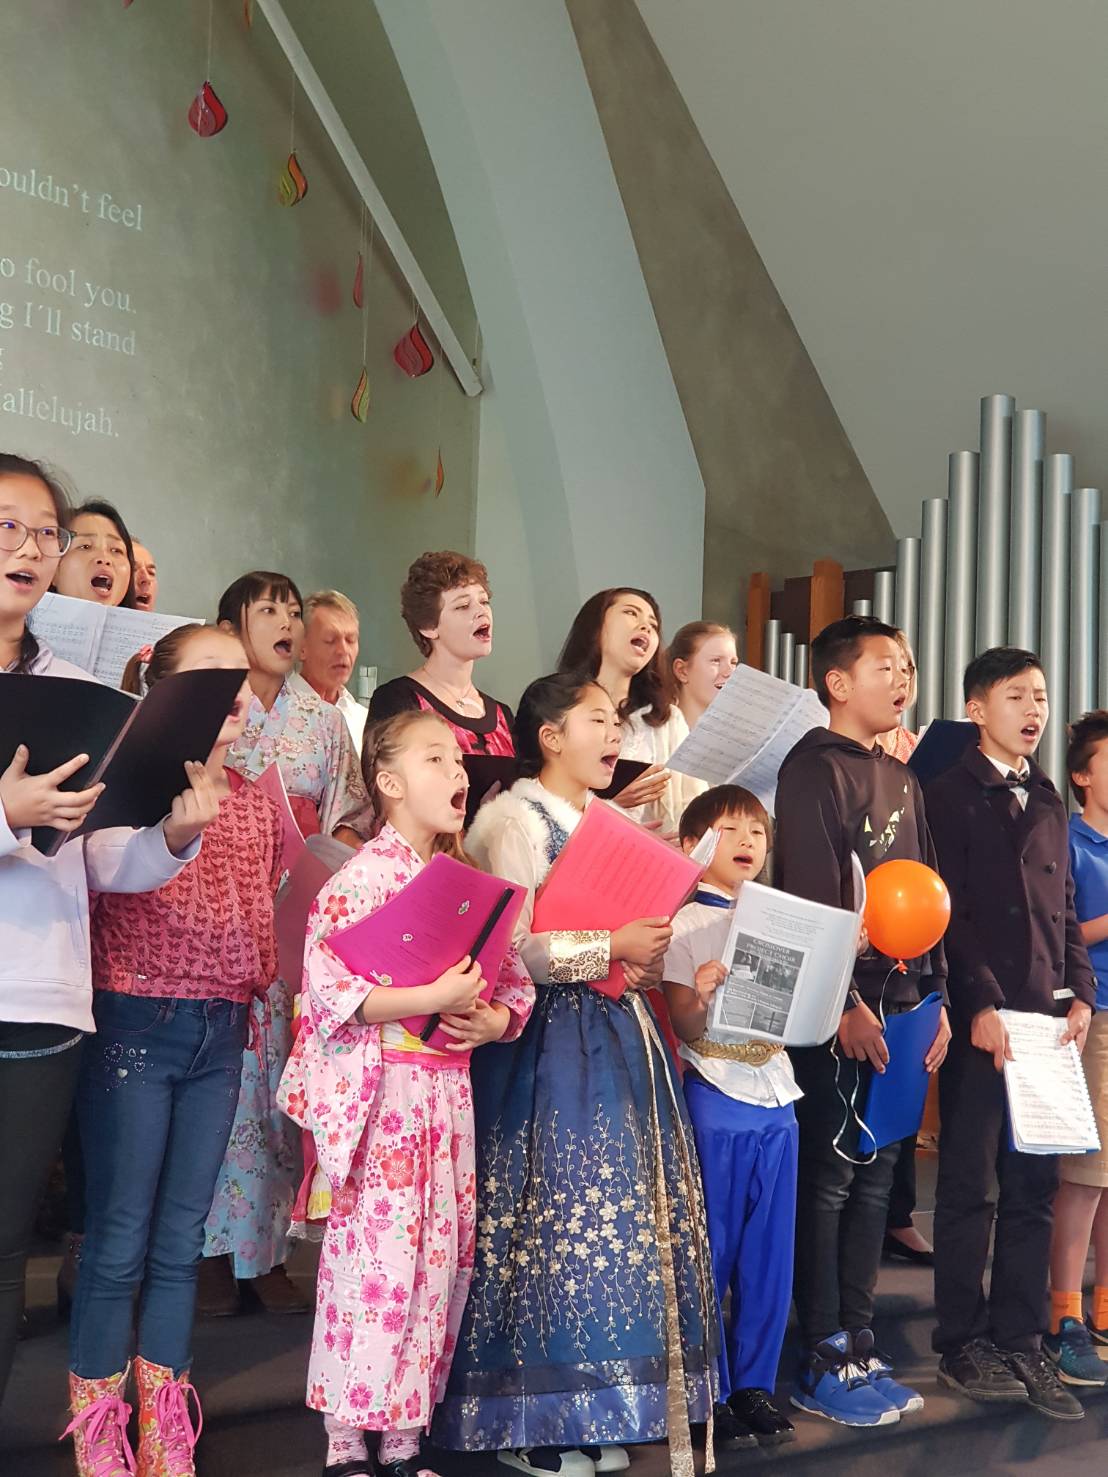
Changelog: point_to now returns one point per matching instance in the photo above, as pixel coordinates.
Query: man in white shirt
(329, 653)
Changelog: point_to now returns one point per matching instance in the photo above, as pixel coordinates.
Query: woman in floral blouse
(291, 726)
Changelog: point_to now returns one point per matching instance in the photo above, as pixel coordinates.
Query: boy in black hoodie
(839, 793)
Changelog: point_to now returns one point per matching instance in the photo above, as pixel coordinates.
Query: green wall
(218, 417)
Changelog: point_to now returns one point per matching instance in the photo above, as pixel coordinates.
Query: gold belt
(750, 1053)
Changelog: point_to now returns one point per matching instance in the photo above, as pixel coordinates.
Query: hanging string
(292, 117)
(211, 21)
(367, 277)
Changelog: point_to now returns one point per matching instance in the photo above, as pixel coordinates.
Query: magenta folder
(438, 918)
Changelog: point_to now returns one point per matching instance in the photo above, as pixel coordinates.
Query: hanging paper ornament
(359, 403)
(412, 353)
(359, 281)
(440, 474)
(247, 11)
(292, 185)
(207, 115)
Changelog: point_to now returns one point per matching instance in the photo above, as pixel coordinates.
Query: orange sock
(1100, 1307)
(1065, 1305)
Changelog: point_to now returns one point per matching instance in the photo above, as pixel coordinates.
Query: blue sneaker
(831, 1385)
(879, 1372)
(1071, 1349)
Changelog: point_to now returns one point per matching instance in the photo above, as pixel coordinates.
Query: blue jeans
(156, 1099)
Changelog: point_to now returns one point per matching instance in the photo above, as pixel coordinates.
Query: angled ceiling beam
(387, 227)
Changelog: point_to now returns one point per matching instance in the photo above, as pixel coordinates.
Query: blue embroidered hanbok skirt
(591, 1317)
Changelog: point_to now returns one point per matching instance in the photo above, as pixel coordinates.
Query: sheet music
(71, 628)
(1048, 1098)
(745, 734)
(101, 639)
(789, 964)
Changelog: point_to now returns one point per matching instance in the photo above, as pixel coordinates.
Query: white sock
(344, 1443)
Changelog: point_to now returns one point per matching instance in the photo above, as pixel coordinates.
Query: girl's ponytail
(152, 663)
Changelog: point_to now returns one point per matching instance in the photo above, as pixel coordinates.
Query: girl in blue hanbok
(591, 1318)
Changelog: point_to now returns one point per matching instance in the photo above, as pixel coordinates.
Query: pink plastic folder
(274, 786)
(610, 872)
(436, 920)
(319, 860)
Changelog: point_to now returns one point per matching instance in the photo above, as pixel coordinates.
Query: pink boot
(167, 1438)
(99, 1426)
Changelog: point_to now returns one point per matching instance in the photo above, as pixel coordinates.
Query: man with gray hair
(329, 653)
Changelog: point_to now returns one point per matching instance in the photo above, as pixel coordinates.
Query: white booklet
(101, 639)
(1048, 1099)
(742, 738)
(789, 965)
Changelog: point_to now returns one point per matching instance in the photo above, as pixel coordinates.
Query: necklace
(456, 700)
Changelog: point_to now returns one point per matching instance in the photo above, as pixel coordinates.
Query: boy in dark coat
(1014, 943)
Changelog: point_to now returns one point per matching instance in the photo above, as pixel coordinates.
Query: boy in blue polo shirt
(1081, 1209)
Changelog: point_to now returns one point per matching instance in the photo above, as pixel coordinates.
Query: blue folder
(941, 747)
(894, 1107)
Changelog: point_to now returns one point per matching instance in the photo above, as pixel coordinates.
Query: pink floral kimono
(393, 1127)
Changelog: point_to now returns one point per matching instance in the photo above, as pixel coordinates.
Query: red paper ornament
(413, 354)
(440, 474)
(359, 282)
(247, 11)
(207, 115)
(907, 909)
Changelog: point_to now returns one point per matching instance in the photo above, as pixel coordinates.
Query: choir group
(580, 1221)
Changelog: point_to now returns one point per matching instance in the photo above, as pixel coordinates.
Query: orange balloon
(907, 909)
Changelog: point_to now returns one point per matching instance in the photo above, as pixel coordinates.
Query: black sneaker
(729, 1432)
(757, 1411)
(1044, 1389)
(355, 1467)
(411, 1466)
(978, 1369)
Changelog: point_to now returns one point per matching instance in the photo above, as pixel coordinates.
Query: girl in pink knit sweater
(174, 973)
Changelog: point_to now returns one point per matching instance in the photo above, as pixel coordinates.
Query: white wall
(926, 184)
(600, 459)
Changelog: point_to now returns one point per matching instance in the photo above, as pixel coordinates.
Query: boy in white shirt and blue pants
(740, 1097)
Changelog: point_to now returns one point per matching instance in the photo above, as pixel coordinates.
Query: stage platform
(250, 1373)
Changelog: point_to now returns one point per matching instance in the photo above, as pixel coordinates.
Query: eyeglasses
(52, 541)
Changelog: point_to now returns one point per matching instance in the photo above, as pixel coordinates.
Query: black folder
(487, 770)
(138, 749)
(625, 772)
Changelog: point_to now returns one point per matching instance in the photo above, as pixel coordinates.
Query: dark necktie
(711, 899)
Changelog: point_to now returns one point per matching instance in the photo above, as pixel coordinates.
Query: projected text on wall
(57, 299)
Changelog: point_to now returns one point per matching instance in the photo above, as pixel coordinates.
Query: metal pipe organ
(1013, 555)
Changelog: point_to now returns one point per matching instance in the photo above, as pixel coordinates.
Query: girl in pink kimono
(393, 1121)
